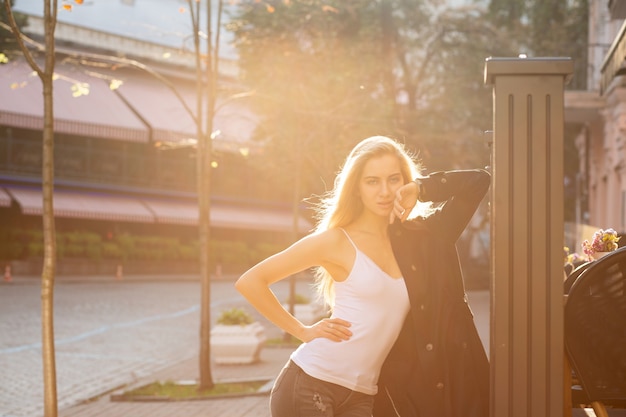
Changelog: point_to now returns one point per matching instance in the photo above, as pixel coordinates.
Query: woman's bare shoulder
(327, 240)
(336, 253)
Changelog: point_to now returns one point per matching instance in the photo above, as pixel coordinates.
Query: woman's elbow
(245, 284)
(240, 284)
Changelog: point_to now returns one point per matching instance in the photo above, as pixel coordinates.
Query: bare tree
(206, 92)
(207, 60)
(49, 234)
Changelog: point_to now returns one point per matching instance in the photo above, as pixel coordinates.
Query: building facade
(598, 116)
(125, 164)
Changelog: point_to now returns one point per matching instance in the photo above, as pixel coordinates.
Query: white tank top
(376, 304)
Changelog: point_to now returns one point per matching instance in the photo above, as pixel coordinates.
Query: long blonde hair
(342, 206)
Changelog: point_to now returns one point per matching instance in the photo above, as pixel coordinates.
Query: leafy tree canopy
(557, 28)
(329, 73)
(545, 28)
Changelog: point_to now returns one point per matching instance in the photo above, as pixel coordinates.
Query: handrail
(612, 65)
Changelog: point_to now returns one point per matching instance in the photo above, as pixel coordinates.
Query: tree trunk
(49, 260)
(203, 169)
(49, 232)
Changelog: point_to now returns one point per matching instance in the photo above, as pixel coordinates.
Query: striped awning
(141, 109)
(228, 216)
(173, 211)
(139, 209)
(254, 218)
(163, 109)
(81, 205)
(96, 112)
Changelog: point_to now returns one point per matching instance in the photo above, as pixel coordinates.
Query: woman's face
(379, 181)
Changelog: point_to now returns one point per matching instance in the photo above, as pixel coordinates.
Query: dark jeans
(296, 394)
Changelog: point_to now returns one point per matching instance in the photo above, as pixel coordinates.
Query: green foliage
(316, 82)
(188, 252)
(35, 249)
(547, 28)
(235, 316)
(232, 254)
(177, 391)
(78, 244)
(550, 28)
(155, 248)
(229, 253)
(111, 251)
(507, 13)
(126, 244)
(329, 73)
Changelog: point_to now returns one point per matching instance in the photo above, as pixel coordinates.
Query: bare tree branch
(84, 57)
(12, 26)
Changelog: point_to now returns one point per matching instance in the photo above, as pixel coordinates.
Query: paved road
(108, 334)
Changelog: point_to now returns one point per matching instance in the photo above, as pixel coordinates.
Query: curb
(264, 390)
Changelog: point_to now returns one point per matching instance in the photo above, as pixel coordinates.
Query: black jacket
(437, 366)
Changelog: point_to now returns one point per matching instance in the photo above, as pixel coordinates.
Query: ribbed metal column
(526, 352)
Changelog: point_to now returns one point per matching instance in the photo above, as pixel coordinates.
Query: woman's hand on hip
(334, 329)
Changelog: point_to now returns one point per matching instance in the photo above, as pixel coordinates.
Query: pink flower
(602, 241)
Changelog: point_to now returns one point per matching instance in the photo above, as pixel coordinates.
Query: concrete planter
(237, 344)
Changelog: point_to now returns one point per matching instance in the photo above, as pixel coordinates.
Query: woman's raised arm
(255, 283)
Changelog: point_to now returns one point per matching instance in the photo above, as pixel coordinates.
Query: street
(107, 334)
(110, 333)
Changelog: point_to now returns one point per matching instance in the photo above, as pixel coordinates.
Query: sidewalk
(272, 360)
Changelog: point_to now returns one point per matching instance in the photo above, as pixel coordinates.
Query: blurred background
(300, 82)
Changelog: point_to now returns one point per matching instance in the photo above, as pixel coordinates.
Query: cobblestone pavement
(108, 334)
(272, 360)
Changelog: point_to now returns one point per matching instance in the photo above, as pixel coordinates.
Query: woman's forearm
(261, 297)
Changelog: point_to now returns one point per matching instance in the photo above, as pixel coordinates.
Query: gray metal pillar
(526, 351)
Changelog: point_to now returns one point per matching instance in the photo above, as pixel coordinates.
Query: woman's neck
(375, 226)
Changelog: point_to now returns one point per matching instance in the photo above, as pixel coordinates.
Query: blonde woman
(401, 340)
